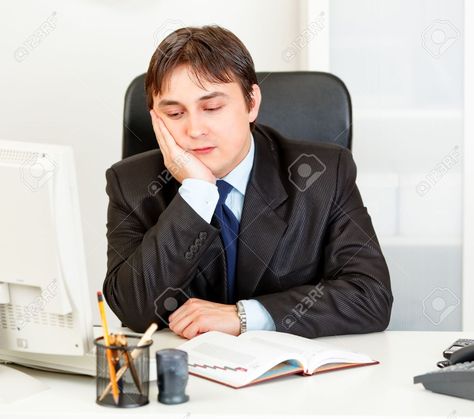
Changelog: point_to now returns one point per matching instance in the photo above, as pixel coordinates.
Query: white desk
(380, 390)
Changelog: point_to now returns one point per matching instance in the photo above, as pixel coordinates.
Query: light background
(407, 88)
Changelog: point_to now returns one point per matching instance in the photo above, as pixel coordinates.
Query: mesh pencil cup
(132, 366)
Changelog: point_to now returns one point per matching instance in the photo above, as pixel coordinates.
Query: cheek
(232, 124)
(230, 147)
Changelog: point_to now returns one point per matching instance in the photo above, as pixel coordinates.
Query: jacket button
(203, 235)
(193, 248)
(198, 242)
(188, 255)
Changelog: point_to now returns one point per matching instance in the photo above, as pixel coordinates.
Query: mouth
(203, 150)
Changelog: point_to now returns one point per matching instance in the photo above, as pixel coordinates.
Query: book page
(315, 353)
(232, 360)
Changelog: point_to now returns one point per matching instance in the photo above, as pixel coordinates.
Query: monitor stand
(16, 385)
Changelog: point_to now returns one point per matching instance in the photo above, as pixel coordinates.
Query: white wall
(67, 87)
(468, 233)
(402, 61)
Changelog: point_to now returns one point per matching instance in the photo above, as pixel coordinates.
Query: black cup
(172, 373)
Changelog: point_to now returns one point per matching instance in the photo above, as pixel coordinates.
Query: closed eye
(174, 115)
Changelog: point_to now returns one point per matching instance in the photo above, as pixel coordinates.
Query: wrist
(211, 179)
(201, 179)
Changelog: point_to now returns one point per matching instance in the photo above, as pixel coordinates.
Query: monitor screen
(44, 296)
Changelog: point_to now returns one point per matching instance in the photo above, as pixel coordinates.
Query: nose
(196, 127)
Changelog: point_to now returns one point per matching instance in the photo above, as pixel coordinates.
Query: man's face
(211, 123)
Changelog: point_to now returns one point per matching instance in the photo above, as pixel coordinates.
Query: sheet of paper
(16, 385)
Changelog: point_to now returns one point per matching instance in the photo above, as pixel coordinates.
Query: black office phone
(456, 375)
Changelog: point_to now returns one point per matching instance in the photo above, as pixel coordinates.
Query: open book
(257, 356)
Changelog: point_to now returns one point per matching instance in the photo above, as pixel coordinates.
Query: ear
(256, 100)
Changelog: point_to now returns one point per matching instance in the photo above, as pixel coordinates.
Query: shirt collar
(240, 175)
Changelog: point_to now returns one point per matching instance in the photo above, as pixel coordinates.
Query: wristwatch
(242, 316)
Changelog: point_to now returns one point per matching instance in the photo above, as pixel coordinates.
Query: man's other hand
(197, 316)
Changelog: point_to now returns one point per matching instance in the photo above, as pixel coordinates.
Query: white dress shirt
(202, 196)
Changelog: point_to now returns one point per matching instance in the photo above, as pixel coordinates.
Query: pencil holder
(132, 368)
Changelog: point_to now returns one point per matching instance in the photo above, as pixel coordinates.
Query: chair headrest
(301, 105)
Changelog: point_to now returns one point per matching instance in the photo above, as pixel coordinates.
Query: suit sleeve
(145, 265)
(353, 294)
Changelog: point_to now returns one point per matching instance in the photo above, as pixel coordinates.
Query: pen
(113, 377)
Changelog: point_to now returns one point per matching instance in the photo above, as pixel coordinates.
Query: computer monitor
(45, 313)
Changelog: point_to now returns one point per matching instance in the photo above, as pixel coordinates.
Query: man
(229, 241)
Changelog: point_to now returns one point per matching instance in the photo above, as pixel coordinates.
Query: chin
(218, 172)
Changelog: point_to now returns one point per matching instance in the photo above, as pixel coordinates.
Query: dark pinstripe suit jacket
(307, 250)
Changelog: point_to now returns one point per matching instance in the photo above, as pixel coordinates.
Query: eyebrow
(167, 102)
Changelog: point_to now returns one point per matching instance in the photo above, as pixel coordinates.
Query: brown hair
(212, 53)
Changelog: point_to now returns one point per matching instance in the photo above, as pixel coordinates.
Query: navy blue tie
(229, 232)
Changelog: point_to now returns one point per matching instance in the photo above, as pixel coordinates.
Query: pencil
(113, 377)
(116, 359)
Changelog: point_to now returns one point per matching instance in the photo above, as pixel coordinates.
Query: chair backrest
(301, 105)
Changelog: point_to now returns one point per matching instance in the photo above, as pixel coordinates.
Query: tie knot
(224, 189)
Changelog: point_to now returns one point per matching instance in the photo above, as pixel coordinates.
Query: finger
(178, 326)
(178, 311)
(167, 137)
(162, 143)
(154, 122)
(185, 306)
(186, 309)
(158, 134)
(190, 313)
(183, 312)
(176, 314)
(191, 331)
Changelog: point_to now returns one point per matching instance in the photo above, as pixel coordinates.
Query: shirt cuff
(258, 318)
(201, 196)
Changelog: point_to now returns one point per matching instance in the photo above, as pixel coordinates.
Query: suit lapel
(260, 226)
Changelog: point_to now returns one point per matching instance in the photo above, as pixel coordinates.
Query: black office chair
(301, 105)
